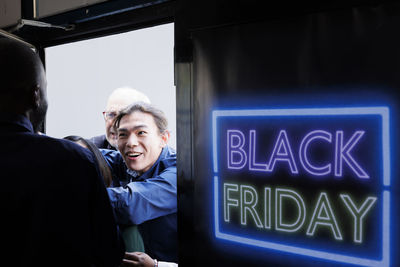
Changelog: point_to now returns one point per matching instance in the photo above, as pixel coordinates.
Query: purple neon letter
(236, 149)
(342, 152)
(282, 152)
(252, 155)
(312, 169)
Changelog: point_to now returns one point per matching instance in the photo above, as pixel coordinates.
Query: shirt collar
(132, 173)
(16, 119)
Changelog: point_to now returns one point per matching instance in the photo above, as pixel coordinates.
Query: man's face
(139, 141)
(114, 106)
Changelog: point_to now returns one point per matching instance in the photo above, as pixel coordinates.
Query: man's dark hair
(159, 117)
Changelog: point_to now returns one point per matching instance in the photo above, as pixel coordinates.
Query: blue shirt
(52, 201)
(148, 200)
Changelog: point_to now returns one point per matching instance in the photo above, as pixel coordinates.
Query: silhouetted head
(23, 82)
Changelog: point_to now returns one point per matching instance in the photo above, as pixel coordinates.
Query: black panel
(326, 56)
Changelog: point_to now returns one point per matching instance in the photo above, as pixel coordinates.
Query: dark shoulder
(62, 159)
(64, 149)
(100, 141)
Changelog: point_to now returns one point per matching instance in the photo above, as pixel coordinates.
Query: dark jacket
(54, 207)
(101, 142)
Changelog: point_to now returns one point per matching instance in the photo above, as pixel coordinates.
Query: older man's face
(114, 106)
(139, 141)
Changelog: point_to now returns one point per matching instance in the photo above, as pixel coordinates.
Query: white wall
(81, 76)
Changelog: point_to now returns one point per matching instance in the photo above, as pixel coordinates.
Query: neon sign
(282, 152)
(312, 181)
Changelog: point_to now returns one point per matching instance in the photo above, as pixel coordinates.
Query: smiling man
(144, 178)
(140, 141)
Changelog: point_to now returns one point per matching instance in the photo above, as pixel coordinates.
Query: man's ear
(35, 97)
(165, 137)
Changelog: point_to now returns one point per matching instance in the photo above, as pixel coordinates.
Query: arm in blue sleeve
(141, 201)
(116, 164)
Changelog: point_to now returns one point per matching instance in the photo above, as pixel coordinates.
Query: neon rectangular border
(381, 111)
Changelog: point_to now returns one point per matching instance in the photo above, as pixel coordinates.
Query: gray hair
(158, 115)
